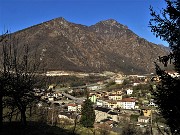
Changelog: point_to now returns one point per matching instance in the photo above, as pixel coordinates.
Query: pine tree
(166, 26)
(87, 114)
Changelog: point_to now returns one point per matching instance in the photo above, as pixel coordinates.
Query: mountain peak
(110, 22)
(105, 46)
(59, 19)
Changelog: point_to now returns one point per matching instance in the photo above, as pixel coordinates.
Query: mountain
(105, 46)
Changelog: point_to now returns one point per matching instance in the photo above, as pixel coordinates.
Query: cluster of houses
(110, 106)
(113, 105)
(113, 99)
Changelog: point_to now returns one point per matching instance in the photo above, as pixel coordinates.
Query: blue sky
(19, 14)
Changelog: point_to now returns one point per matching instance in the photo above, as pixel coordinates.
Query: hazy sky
(19, 14)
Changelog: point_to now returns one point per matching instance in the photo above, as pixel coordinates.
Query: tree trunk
(1, 111)
(23, 117)
(17, 115)
(30, 111)
(75, 124)
(11, 114)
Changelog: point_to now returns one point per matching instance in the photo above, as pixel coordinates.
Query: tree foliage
(166, 26)
(87, 114)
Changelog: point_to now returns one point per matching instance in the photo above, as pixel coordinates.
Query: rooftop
(128, 100)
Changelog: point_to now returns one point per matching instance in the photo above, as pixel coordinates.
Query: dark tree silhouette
(87, 114)
(166, 26)
(19, 72)
(3, 82)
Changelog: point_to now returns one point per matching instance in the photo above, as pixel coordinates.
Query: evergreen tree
(166, 26)
(87, 114)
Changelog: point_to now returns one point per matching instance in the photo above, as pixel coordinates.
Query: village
(118, 100)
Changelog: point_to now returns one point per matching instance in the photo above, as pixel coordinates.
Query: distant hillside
(107, 45)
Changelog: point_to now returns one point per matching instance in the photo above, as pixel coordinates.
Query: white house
(126, 103)
(143, 119)
(102, 103)
(129, 91)
(72, 107)
(119, 81)
(99, 103)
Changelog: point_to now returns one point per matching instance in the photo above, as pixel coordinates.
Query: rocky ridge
(105, 46)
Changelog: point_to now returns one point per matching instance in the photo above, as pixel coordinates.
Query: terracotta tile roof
(72, 105)
(115, 95)
(128, 100)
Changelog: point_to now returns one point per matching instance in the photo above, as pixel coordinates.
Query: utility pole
(151, 123)
(52, 118)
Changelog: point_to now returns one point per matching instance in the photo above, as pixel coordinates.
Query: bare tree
(19, 70)
(3, 80)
